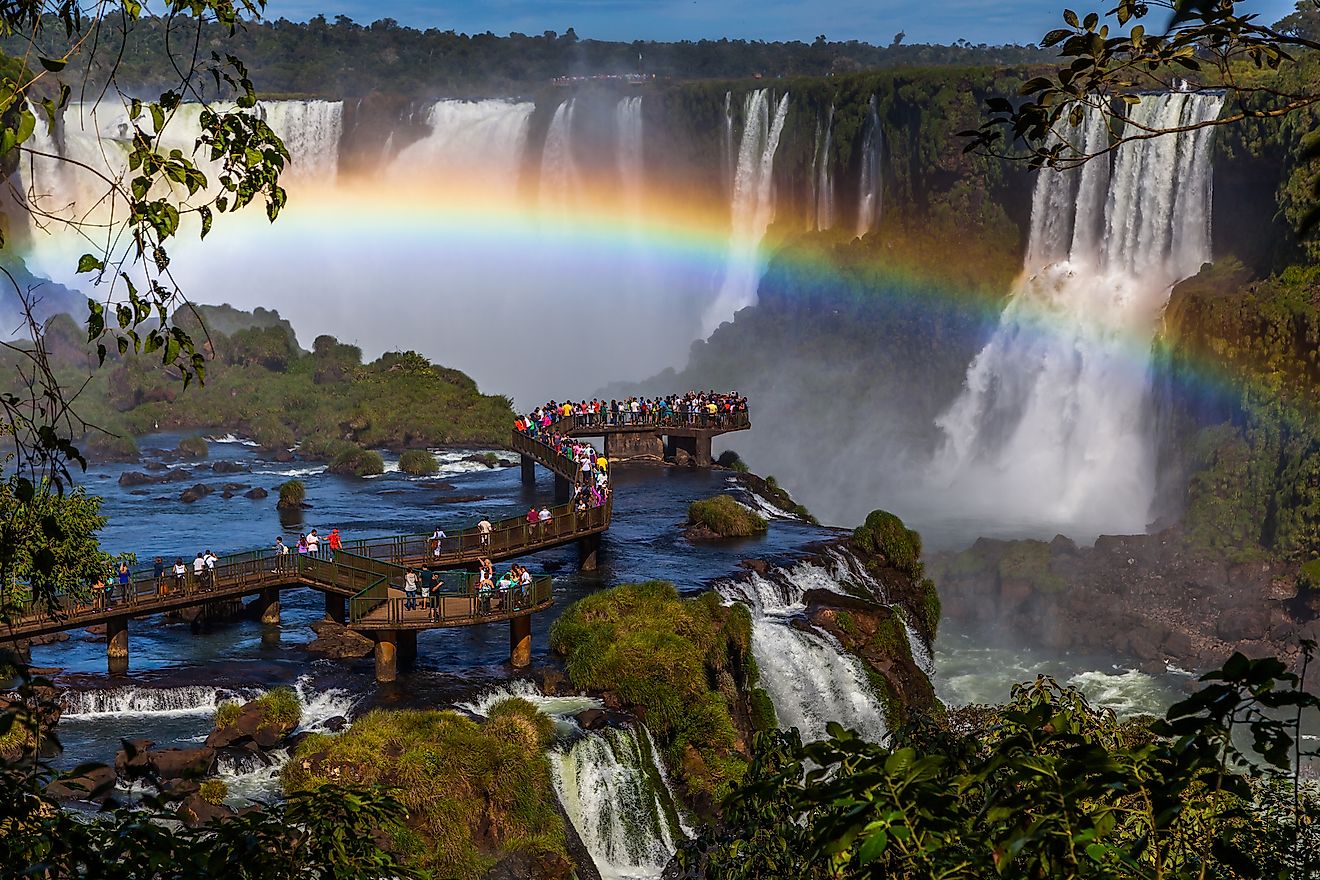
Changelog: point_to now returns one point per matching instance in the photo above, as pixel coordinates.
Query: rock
(197, 811)
(1062, 545)
(681, 458)
(251, 726)
(96, 784)
(338, 641)
(96, 629)
(234, 487)
(132, 760)
(156, 466)
(335, 724)
(179, 475)
(230, 467)
(1236, 624)
(760, 566)
(590, 719)
(507, 463)
(137, 478)
(172, 764)
(284, 456)
(256, 494)
(195, 493)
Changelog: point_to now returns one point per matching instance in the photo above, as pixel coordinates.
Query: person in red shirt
(335, 542)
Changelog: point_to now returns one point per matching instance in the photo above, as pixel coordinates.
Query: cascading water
(311, 130)
(810, 678)
(752, 206)
(610, 782)
(869, 174)
(823, 176)
(613, 789)
(125, 701)
(477, 145)
(560, 180)
(630, 151)
(1051, 430)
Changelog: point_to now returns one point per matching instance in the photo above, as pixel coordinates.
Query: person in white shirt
(199, 569)
(313, 542)
(436, 537)
(485, 528)
(544, 515)
(180, 574)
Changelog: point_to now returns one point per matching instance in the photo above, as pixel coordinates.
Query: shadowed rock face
(254, 724)
(338, 641)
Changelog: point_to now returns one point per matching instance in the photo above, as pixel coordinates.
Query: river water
(177, 677)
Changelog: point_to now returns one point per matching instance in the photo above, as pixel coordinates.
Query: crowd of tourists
(695, 408)
(591, 483)
(421, 588)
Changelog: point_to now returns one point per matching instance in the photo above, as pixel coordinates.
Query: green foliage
(418, 462)
(1029, 561)
(1045, 786)
(1309, 576)
(227, 713)
(194, 447)
(762, 710)
(662, 654)
(357, 462)
(49, 546)
(474, 793)
(885, 535)
(725, 517)
(292, 493)
(280, 705)
(214, 791)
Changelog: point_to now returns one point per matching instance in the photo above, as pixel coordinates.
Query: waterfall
(752, 205)
(474, 148)
(614, 791)
(560, 181)
(632, 167)
(311, 131)
(822, 174)
(810, 678)
(610, 782)
(131, 701)
(1051, 429)
(869, 176)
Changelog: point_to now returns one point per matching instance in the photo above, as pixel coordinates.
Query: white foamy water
(130, 701)
(871, 179)
(1052, 427)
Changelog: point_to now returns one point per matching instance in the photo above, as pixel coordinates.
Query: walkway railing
(723, 421)
(454, 600)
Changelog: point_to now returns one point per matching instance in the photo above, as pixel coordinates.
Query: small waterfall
(1051, 430)
(869, 175)
(810, 678)
(130, 701)
(614, 791)
(753, 205)
(730, 166)
(822, 178)
(311, 131)
(473, 148)
(632, 166)
(560, 179)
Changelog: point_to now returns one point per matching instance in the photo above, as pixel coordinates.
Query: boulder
(137, 478)
(252, 726)
(96, 784)
(230, 467)
(284, 456)
(195, 493)
(590, 719)
(179, 475)
(681, 458)
(256, 494)
(132, 759)
(196, 811)
(338, 641)
(171, 764)
(335, 724)
(156, 466)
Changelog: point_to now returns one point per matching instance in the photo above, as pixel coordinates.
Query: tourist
(302, 545)
(158, 572)
(410, 590)
(180, 574)
(124, 579)
(543, 518)
(425, 578)
(436, 538)
(199, 571)
(281, 555)
(484, 528)
(211, 560)
(313, 543)
(336, 543)
(533, 519)
(435, 591)
(100, 594)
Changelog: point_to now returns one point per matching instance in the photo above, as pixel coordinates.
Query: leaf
(1071, 17)
(89, 263)
(54, 65)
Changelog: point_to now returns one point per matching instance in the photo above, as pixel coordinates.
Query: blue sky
(876, 21)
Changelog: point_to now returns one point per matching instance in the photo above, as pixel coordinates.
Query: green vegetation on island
(418, 463)
(293, 493)
(725, 517)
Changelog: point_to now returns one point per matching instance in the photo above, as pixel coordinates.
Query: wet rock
(234, 487)
(335, 724)
(591, 719)
(171, 764)
(96, 784)
(137, 478)
(253, 725)
(132, 759)
(256, 494)
(284, 456)
(230, 467)
(760, 566)
(156, 466)
(195, 493)
(96, 629)
(682, 458)
(338, 641)
(180, 475)
(197, 811)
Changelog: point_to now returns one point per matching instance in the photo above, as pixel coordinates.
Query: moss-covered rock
(293, 494)
(885, 536)
(1028, 562)
(194, 447)
(477, 794)
(418, 462)
(682, 665)
(356, 462)
(722, 517)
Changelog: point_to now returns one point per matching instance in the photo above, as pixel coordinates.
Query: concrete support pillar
(116, 645)
(588, 551)
(387, 655)
(520, 641)
(336, 608)
(703, 456)
(407, 643)
(529, 470)
(562, 489)
(270, 606)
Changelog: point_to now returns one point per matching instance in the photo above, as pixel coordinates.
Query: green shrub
(214, 791)
(884, 534)
(227, 713)
(1309, 576)
(725, 517)
(281, 705)
(491, 459)
(418, 462)
(474, 792)
(357, 462)
(194, 447)
(292, 494)
(665, 656)
(763, 710)
(1030, 561)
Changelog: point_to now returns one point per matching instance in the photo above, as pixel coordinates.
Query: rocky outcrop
(257, 723)
(1155, 598)
(96, 784)
(875, 634)
(256, 494)
(195, 493)
(338, 641)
